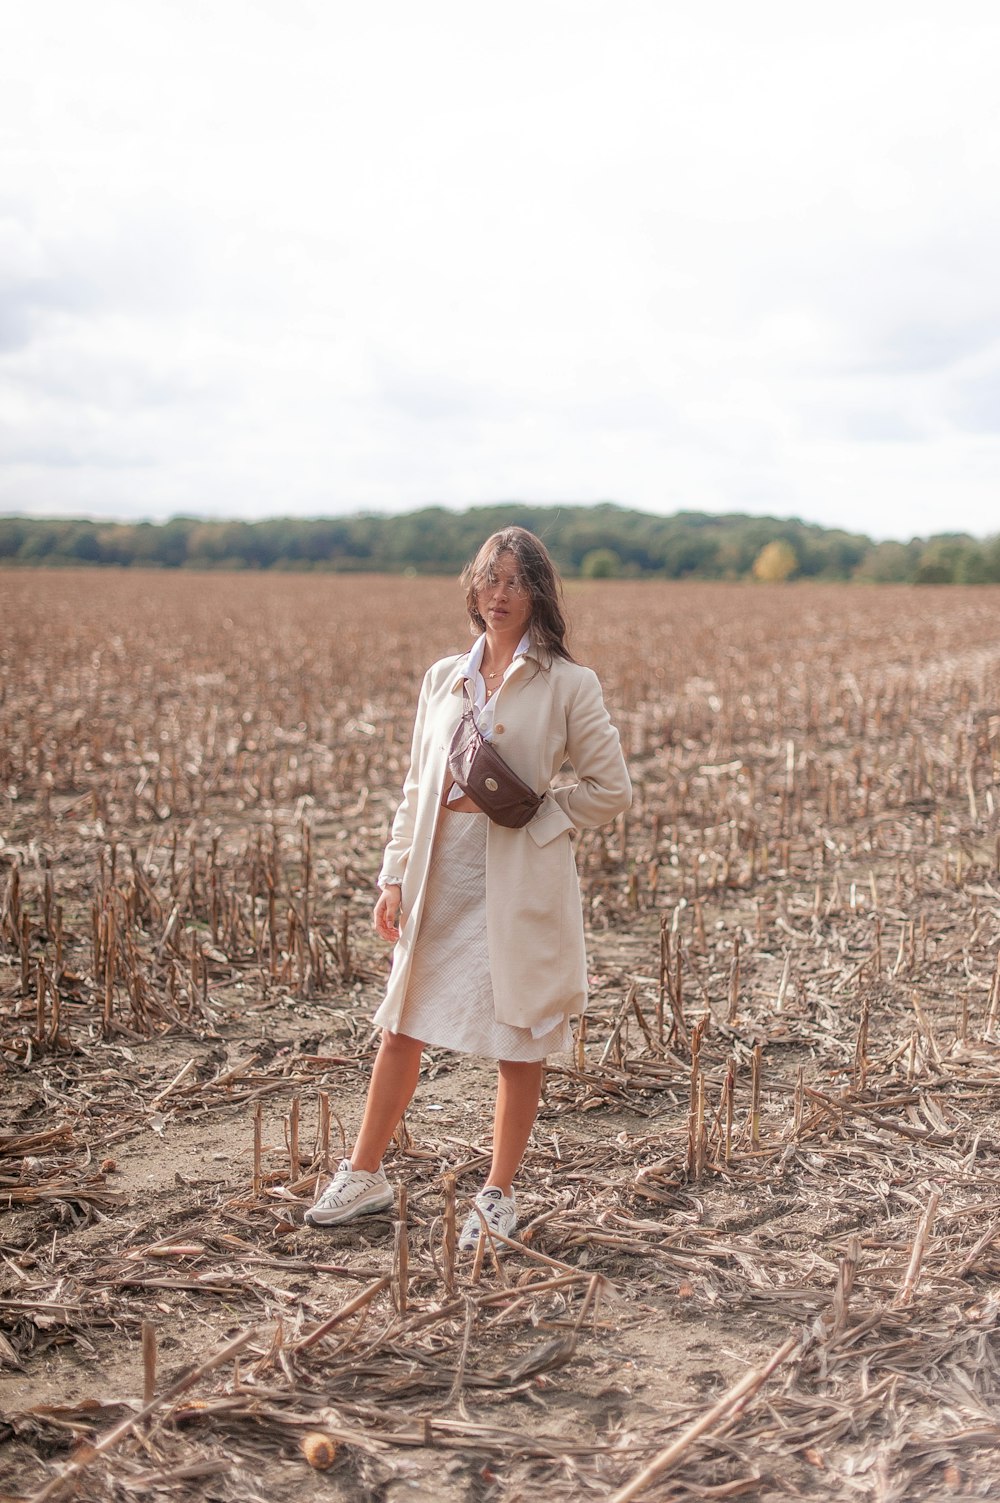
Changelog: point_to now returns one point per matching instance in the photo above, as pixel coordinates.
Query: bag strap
(469, 713)
(469, 718)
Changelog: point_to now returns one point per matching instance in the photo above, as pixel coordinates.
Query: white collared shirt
(485, 709)
(472, 672)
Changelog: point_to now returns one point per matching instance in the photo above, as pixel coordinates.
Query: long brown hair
(535, 566)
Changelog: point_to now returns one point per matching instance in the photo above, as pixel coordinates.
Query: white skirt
(449, 993)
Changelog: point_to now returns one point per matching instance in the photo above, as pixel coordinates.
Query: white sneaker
(351, 1193)
(499, 1211)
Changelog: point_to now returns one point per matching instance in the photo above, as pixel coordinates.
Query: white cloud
(297, 257)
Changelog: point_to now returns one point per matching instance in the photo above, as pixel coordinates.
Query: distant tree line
(603, 541)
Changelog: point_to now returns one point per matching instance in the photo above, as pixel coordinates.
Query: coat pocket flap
(549, 822)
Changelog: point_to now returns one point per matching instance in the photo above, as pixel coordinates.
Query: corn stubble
(777, 1128)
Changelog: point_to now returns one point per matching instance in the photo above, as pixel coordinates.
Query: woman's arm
(397, 852)
(593, 746)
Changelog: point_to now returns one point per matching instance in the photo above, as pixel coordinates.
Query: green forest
(603, 541)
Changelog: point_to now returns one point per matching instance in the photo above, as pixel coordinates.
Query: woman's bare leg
(519, 1087)
(394, 1080)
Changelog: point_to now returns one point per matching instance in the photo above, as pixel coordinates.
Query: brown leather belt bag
(481, 773)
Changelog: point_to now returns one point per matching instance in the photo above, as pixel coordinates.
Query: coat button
(498, 730)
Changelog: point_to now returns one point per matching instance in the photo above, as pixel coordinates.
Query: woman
(487, 921)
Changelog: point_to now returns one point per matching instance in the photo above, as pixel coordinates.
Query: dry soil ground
(777, 1135)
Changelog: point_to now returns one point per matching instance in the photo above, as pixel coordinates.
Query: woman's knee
(399, 1045)
(521, 1069)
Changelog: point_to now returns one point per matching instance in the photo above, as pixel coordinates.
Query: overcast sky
(311, 256)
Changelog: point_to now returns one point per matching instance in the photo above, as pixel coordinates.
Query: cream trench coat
(547, 712)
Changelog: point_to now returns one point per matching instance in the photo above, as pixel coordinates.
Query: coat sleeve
(397, 852)
(593, 746)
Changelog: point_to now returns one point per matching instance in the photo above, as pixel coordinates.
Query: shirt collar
(471, 664)
(474, 661)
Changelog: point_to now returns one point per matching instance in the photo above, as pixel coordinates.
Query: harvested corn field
(761, 1208)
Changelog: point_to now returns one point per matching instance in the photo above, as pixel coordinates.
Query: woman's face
(504, 599)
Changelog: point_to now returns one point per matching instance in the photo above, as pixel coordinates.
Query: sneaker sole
(350, 1213)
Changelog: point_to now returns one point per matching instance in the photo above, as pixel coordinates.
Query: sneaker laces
(492, 1210)
(333, 1197)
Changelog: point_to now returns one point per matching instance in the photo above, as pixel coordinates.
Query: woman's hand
(387, 912)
